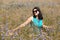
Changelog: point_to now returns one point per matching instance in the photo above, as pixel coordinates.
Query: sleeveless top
(37, 23)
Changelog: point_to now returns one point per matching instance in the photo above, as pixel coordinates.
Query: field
(13, 13)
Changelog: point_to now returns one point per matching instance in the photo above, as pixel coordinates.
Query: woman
(37, 20)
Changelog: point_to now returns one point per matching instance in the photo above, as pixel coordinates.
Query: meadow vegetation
(13, 14)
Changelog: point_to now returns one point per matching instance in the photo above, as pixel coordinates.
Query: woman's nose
(34, 12)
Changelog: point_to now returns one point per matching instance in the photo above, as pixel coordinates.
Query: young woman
(37, 20)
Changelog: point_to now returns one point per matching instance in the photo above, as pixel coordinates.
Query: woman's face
(36, 12)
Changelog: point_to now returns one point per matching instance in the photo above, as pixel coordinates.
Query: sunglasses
(35, 11)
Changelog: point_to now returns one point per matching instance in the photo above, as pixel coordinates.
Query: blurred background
(15, 12)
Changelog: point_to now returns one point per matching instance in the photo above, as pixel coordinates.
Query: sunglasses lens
(35, 11)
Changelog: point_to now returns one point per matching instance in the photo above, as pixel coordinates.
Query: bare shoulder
(31, 17)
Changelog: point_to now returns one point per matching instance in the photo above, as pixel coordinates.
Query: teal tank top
(38, 23)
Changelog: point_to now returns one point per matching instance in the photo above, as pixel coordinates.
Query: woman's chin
(36, 15)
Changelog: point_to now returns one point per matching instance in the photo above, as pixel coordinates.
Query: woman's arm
(25, 23)
(44, 26)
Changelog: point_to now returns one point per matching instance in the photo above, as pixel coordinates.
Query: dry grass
(13, 13)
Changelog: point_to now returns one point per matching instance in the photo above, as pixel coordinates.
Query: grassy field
(14, 13)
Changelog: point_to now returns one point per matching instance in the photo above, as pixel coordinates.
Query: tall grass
(14, 14)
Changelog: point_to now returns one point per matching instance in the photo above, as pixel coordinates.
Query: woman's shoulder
(30, 18)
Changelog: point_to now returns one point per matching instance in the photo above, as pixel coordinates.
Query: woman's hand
(44, 26)
(48, 28)
(10, 32)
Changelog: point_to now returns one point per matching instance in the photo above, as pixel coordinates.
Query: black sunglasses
(35, 11)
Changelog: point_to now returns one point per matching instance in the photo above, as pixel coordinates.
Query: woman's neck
(37, 17)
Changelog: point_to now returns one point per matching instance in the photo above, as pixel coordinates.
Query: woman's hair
(40, 17)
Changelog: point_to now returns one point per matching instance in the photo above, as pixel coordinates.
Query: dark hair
(40, 17)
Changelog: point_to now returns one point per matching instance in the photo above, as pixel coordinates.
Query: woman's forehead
(35, 9)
